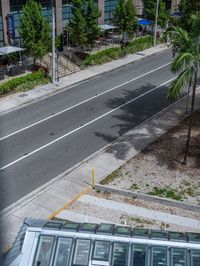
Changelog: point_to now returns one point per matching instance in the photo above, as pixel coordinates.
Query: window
(105, 228)
(82, 251)
(159, 235)
(71, 226)
(177, 236)
(1, 29)
(101, 250)
(142, 233)
(139, 255)
(193, 237)
(178, 257)
(120, 254)
(122, 230)
(109, 8)
(159, 256)
(63, 251)
(44, 251)
(88, 227)
(195, 258)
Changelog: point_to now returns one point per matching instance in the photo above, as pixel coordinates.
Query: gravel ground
(158, 170)
(119, 217)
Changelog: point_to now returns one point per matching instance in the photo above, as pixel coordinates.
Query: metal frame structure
(74, 244)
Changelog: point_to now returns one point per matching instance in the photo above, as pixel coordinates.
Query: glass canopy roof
(111, 229)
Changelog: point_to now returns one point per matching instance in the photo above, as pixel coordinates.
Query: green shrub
(23, 83)
(116, 53)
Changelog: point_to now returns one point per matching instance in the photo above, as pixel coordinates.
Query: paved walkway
(54, 197)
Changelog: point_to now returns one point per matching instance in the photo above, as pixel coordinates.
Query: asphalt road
(44, 139)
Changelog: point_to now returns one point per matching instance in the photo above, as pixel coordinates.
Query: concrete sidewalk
(13, 101)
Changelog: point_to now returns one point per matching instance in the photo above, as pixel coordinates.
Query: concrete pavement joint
(86, 191)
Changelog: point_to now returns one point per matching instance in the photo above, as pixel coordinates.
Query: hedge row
(23, 83)
(116, 53)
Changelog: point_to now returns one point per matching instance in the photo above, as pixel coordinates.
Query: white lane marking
(85, 125)
(87, 100)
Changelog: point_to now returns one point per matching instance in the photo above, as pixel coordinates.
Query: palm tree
(186, 64)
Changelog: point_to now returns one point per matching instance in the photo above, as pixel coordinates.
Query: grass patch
(166, 193)
(110, 177)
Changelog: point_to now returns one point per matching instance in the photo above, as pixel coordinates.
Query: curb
(134, 195)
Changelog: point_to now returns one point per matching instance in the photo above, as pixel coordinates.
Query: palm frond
(180, 39)
(180, 83)
(182, 61)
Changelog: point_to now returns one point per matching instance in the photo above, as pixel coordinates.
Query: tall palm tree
(187, 65)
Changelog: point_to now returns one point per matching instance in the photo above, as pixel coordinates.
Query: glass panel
(63, 251)
(178, 257)
(44, 250)
(195, 258)
(159, 256)
(101, 250)
(53, 225)
(88, 227)
(120, 254)
(177, 236)
(139, 255)
(193, 237)
(158, 234)
(82, 251)
(122, 230)
(141, 233)
(105, 228)
(71, 226)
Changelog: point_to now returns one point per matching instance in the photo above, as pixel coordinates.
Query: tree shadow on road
(131, 115)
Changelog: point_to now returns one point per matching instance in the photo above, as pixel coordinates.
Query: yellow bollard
(93, 181)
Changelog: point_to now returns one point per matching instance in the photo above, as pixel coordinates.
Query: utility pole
(53, 44)
(156, 23)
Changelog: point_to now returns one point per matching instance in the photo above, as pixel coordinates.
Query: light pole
(53, 44)
(156, 23)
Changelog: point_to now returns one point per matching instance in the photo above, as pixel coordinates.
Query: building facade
(11, 10)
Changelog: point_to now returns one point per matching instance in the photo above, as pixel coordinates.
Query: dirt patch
(158, 169)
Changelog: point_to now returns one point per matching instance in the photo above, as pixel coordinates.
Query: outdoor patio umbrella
(144, 22)
(11, 49)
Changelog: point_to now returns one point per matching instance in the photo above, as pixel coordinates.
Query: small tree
(150, 11)
(124, 17)
(77, 24)
(92, 28)
(34, 30)
(187, 65)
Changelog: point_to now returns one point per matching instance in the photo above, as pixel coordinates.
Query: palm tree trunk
(188, 96)
(190, 120)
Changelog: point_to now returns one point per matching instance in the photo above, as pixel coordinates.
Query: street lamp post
(156, 23)
(53, 47)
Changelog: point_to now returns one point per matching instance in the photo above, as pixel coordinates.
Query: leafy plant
(166, 193)
(115, 53)
(24, 83)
